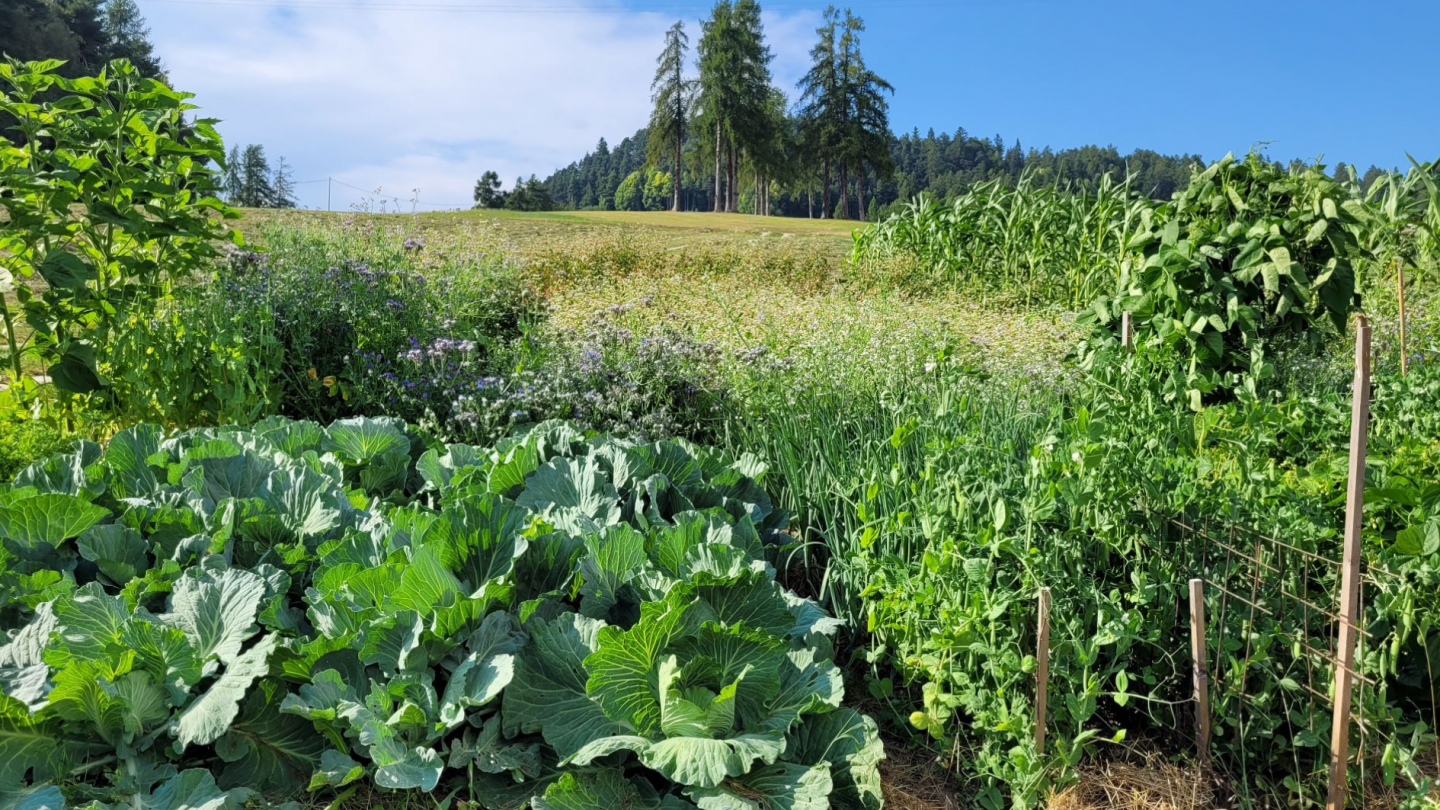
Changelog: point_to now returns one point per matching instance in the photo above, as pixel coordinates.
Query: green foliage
(937, 505)
(529, 195)
(109, 205)
(1248, 253)
(293, 607)
(23, 442)
(657, 190)
(1040, 243)
(487, 191)
(630, 196)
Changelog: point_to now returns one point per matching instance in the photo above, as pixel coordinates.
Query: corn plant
(1041, 243)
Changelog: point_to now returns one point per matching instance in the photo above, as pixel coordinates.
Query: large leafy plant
(559, 621)
(109, 200)
(1247, 253)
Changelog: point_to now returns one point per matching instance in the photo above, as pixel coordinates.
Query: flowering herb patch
(561, 621)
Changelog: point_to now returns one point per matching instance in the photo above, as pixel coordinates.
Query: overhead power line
(559, 9)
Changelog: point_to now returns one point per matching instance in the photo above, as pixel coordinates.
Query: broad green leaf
(592, 790)
(721, 657)
(753, 599)
(488, 752)
(548, 693)
(438, 470)
(307, 503)
(487, 669)
(119, 551)
(481, 537)
(401, 767)
(76, 372)
(425, 582)
(335, 770)
(267, 751)
(209, 717)
(362, 439)
(216, 610)
(613, 557)
(64, 270)
(850, 742)
(706, 763)
(27, 748)
(48, 519)
(782, 786)
(808, 683)
(624, 662)
(194, 790)
(572, 494)
(27, 646)
(89, 624)
(29, 685)
(39, 797)
(240, 476)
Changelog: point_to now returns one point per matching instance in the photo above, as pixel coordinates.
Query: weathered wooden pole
(1400, 292)
(1127, 332)
(1042, 670)
(1350, 569)
(1201, 675)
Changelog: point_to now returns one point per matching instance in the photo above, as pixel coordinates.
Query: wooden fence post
(1127, 332)
(1042, 670)
(1350, 569)
(1202, 676)
(1400, 293)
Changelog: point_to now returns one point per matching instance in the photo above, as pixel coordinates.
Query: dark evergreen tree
(129, 38)
(256, 190)
(672, 94)
(283, 186)
(487, 191)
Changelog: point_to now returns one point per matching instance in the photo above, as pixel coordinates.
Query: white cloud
(428, 99)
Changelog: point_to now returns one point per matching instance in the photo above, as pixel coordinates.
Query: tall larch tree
(867, 133)
(823, 103)
(672, 94)
(717, 92)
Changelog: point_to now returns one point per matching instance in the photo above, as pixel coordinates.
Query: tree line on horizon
(727, 140)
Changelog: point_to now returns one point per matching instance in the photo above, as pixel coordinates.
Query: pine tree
(129, 38)
(865, 135)
(233, 184)
(672, 94)
(734, 90)
(255, 188)
(487, 191)
(85, 19)
(823, 109)
(283, 186)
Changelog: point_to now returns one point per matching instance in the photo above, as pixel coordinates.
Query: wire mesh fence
(1272, 616)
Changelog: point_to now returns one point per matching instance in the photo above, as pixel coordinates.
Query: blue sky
(399, 95)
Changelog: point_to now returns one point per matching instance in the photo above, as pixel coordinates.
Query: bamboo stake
(1201, 675)
(1400, 292)
(1042, 670)
(1350, 569)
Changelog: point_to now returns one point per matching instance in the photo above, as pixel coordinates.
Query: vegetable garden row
(348, 511)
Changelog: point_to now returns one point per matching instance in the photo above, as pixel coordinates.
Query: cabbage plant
(229, 615)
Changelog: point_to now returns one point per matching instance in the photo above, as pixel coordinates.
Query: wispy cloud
(410, 99)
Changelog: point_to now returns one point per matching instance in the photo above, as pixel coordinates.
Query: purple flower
(413, 243)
